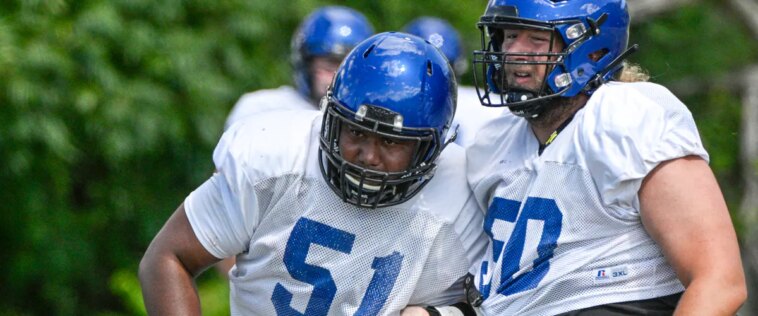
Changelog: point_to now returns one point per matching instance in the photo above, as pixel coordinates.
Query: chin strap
(531, 110)
(595, 24)
(518, 95)
(452, 137)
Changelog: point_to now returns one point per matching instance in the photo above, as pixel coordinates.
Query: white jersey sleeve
(284, 98)
(638, 126)
(471, 115)
(225, 211)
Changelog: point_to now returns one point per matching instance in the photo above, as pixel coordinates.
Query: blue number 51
(307, 232)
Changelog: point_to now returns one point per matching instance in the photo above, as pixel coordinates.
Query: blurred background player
(470, 115)
(318, 46)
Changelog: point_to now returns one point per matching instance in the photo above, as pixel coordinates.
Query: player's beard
(552, 110)
(556, 110)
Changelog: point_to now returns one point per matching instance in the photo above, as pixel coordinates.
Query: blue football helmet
(442, 35)
(331, 31)
(400, 87)
(588, 29)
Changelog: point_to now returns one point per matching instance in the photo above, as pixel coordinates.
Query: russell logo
(611, 274)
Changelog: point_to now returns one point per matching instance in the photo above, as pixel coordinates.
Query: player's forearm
(167, 287)
(721, 296)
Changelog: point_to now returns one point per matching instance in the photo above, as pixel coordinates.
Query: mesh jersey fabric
(564, 227)
(300, 249)
(284, 98)
(470, 115)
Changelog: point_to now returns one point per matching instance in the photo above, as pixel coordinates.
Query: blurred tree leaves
(701, 39)
(110, 111)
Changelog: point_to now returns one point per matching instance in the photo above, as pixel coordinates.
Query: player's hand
(414, 311)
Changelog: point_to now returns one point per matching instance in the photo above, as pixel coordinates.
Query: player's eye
(355, 132)
(540, 39)
(389, 141)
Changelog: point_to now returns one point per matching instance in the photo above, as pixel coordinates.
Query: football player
(470, 115)
(361, 210)
(599, 197)
(319, 44)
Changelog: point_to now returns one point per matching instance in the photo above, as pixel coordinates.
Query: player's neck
(555, 115)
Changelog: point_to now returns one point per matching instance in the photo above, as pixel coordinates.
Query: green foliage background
(110, 111)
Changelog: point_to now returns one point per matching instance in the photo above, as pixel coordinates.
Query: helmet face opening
(360, 185)
(519, 78)
(593, 36)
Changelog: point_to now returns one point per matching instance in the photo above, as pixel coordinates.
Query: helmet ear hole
(598, 54)
(429, 68)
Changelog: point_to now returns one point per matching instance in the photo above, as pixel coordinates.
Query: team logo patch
(605, 275)
(345, 31)
(437, 40)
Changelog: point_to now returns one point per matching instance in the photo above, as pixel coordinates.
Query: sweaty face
(373, 151)
(322, 71)
(528, 76)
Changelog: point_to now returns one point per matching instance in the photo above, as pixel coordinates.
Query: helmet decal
(442, 35)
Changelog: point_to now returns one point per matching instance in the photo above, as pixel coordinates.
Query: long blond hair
(632, 73)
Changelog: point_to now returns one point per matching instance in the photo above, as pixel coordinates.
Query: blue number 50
(535, 208)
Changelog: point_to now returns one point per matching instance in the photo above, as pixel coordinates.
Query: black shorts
(658, 306)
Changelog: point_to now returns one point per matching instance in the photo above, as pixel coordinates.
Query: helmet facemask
(594, 46)
(365, 187)
(498, 68)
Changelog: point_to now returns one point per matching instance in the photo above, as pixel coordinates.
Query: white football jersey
(471, 115)
(565, 229)
(280, 99)
(301, 249)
